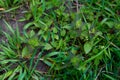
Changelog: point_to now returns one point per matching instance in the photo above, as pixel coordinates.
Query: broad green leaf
(25, 52)
(63, 32)
(54, 44)
(47, 46)
(78, 23)
(33, 41)
(55, 30)
(117, 26)
(87, 47)
(68, 27)
(32, 33)
(56, 36)
(40, 32)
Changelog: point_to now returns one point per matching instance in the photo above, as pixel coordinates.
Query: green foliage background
(77, 40)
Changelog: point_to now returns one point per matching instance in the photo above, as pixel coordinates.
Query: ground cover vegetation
(73, 39)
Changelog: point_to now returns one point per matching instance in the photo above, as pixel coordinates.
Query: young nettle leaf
(33, 41)
(41, 32)
(55, 30)
(25, 52)
(78, 23)
(63, 32)
(32, 33)
(117, 26)
(88, 47)
(56, 36)
(48, 46)
(74, 34)
(45, 36)
(54, 44)
(68, 27)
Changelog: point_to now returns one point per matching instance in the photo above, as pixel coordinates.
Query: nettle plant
(73, 43)
(72, 46)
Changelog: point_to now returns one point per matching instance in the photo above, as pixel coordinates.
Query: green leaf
(87, 47)
(56, 36)
(32, 33)
(68, 27)
(55, 30)
(47, 46)
(54, 44)
(63, 32)
(117, 26)
(25, 52)
(78, 23)
(33, 41)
